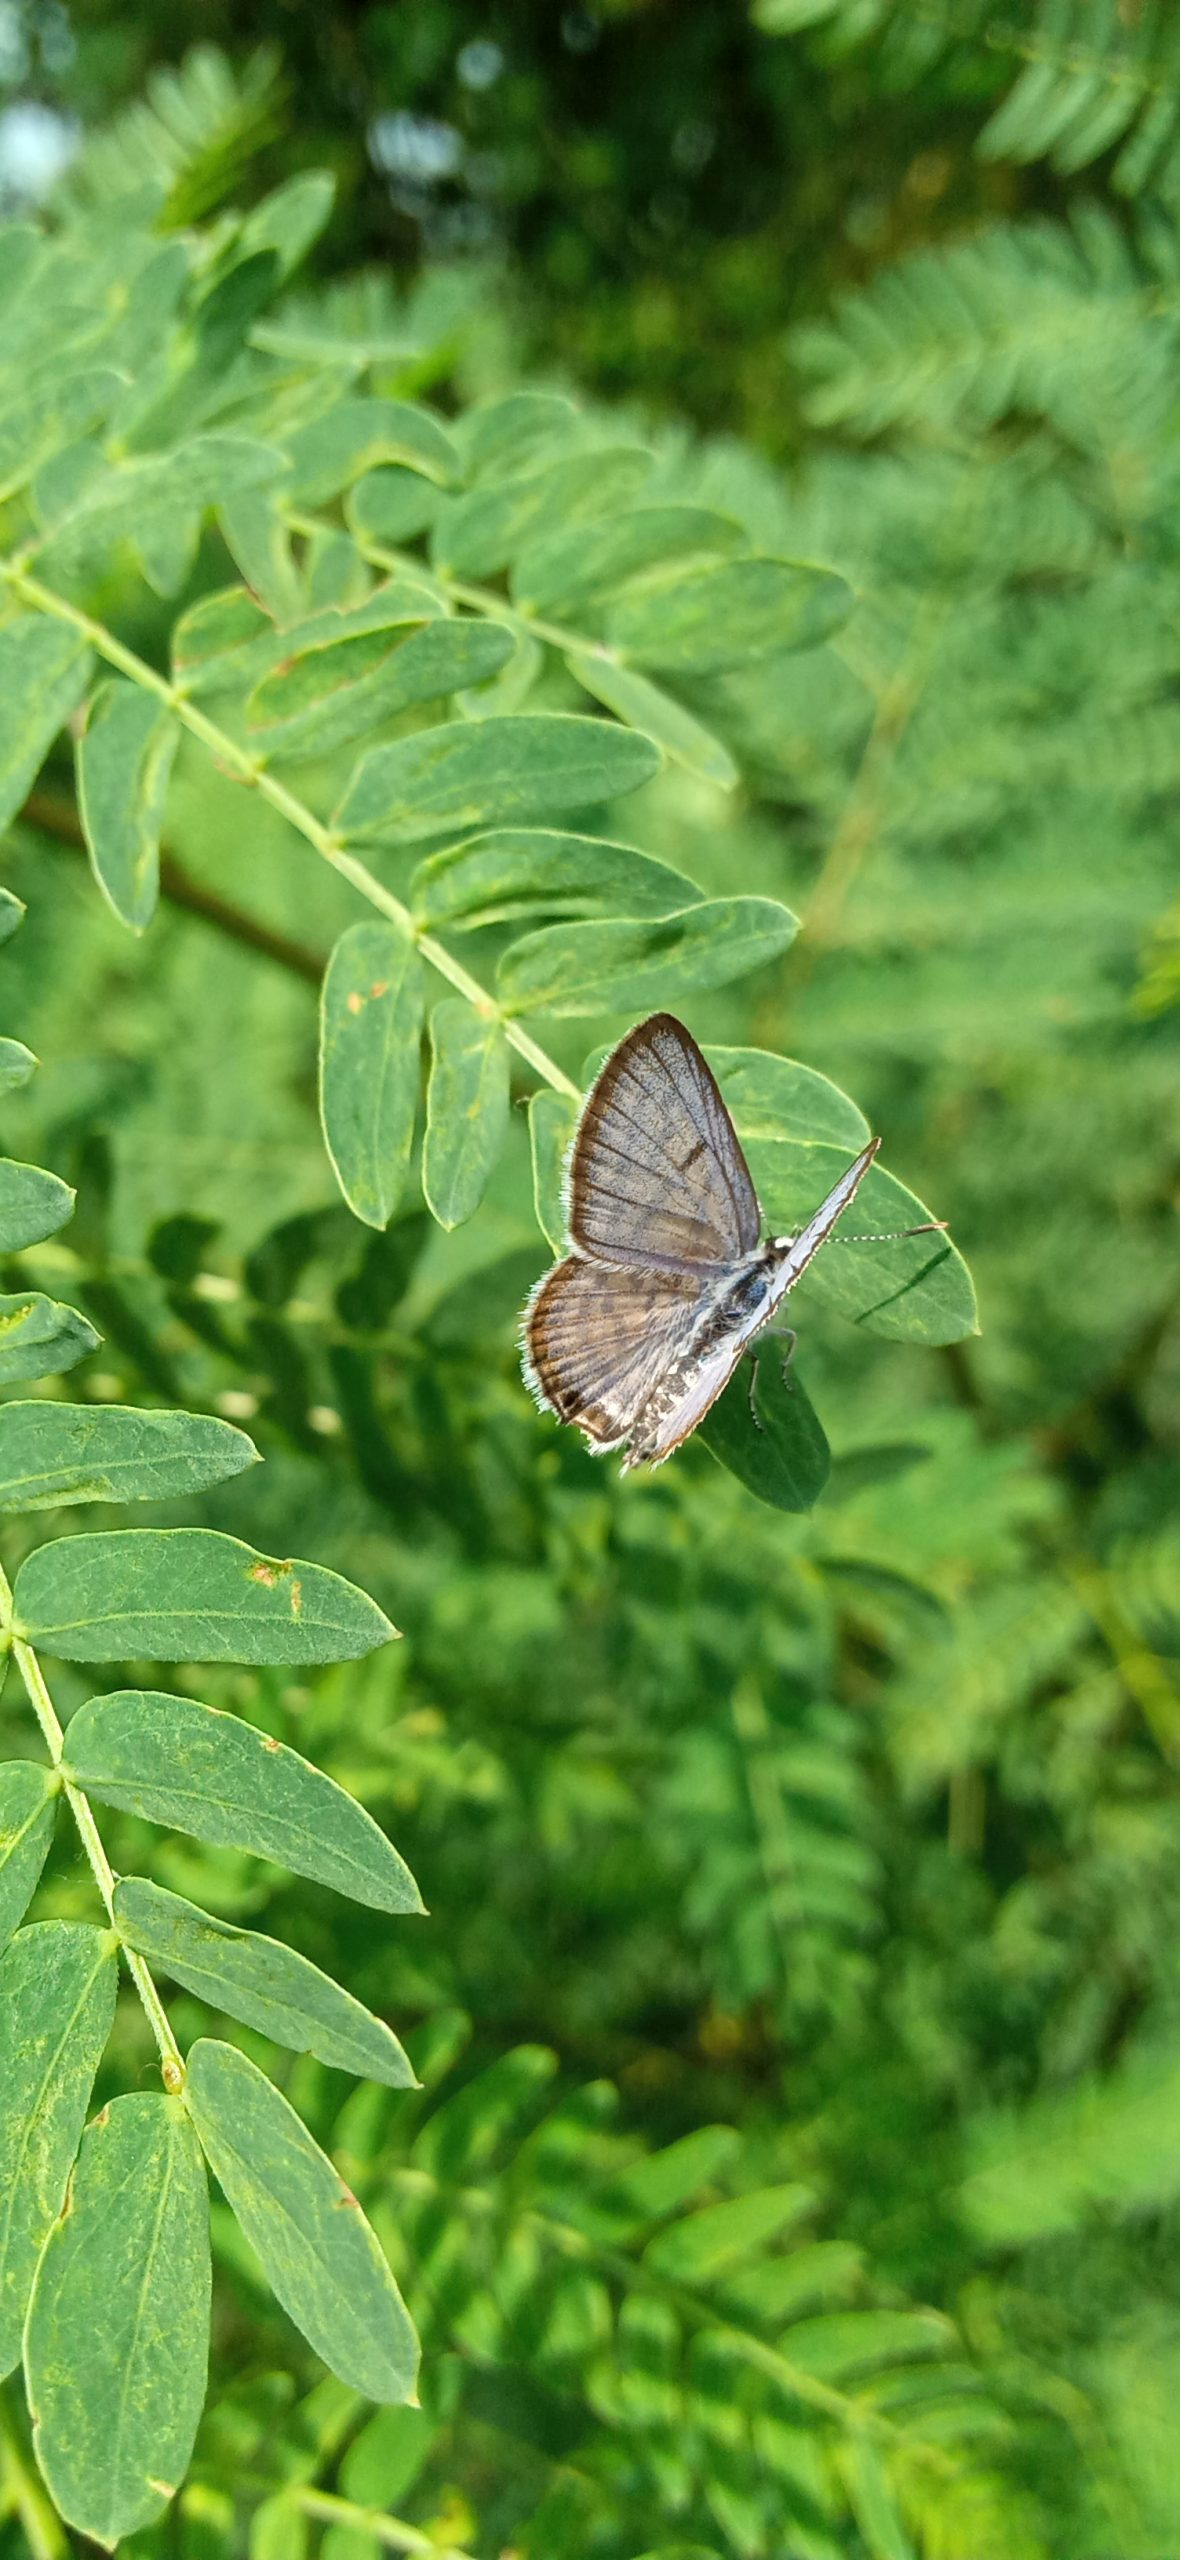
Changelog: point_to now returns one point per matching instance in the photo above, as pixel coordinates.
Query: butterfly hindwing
(658, 1181)
(598, 1340)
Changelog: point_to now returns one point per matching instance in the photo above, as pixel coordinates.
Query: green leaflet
(370, 1025)
(517, 872)
(466, 1109)
(566, 571)
(777, 1448)
(227, 638)
(390, 504)
(39, 1337)
(644, 705)
(117, 2344)
(260, 1981)
(43, 420)
(358, 433)
(12, 912)
(196, 1769)
(842, 2345)
(291, 218)
(724, 616)
(16, 1062)
(207, 471)
(43, 672)
(58, 1453)
(33, 1204)
(772, 1097)
(588, 968)
(124, 764)
(316, 2247)
(553, 1118)
(708, 2243)
(476, 536)
(501, 438)
(258, 540)
(57, 2002)
(188, 1595)
(477, 773)
(28, 1810)
(314, 705)
(664, 2180)
(873, 2501)
(913, 1288)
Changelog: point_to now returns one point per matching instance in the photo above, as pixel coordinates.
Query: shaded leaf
(502, 438)
(370, 1027)
(704, 2245)
(644, 705)
(124, 763)
(39, 1337)
(724, 616)
(189, 1595)
(199, 1770)
(584, 563)
(772, 1097)
(28, 1811)
(260, 1981)
(225, 638)
(514, 872)
(117, 2345)
(43, 673)
(481, 533)
(553, 1118)
(475, 773)
(16, 1062)
(466, 1109)
(333, 451)
(320, 702)
(588, 968)
(33, 1204)
(315, 2245)
(767, 1432)
(58, 1453)
(391, 504)
(57, 2004)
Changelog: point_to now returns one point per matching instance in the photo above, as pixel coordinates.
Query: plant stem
(389, 2530)
(238, 760)
(37, 1690)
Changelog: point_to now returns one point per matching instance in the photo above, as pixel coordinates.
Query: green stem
(238, 760)
(389, 2530)
(37, 1690)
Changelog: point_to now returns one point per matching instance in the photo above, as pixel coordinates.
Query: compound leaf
(52, 1454)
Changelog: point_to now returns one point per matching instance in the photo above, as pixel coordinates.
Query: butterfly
(633, 1335)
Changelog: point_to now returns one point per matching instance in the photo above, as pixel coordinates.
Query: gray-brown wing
(657, 1178)
(597, 1340)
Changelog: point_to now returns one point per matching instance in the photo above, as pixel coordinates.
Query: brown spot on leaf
(356, 1004)
(103, 2117)
(346, 2197)
(269, 1743)
(296, 1598)
(380, 987)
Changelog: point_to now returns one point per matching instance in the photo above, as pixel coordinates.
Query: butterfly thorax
(732, 1309)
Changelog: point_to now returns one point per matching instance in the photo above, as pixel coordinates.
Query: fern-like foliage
(1088, 77)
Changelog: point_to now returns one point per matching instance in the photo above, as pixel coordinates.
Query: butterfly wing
(658, 1181)
(598, 1340)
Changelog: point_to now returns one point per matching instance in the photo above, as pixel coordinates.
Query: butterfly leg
(781, 1333)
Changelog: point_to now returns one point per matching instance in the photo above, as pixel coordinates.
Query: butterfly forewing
(657, 1179)
(600, 1339)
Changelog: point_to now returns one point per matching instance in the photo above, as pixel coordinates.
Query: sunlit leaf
(518, 872)
(314, 2243)
(260, 1981)
(913, 1288)
(646, 706)
(43, 672)
(359, 433)
(188, 1595)
(565, 571)
(118, 2337)
(33, 1204)
(28, 1810)
(39, 1337)
(17, 1063)
(124, 762)
(723, 616)
(172, 1760)
(477, 535)
(60, 1453)
(553, 1118)
(57, 2003)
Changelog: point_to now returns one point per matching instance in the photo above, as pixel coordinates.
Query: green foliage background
(797, 2165)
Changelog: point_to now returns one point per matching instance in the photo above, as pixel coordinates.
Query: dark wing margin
(597, 1340)
(657, 1178)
